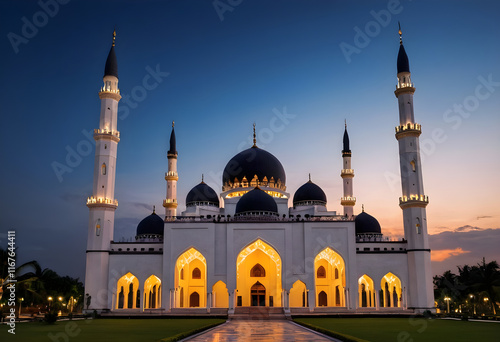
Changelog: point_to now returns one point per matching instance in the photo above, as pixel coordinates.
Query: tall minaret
(347, 174)
(170, 203)
(102, 204)
(413, 201)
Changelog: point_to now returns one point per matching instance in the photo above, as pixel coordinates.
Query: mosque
(245, 246)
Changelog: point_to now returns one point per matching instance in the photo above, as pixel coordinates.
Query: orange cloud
(443, 254)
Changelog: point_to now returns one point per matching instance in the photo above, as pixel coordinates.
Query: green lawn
(409, 329)
(105, 330)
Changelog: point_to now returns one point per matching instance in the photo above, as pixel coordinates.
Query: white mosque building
(245, 247)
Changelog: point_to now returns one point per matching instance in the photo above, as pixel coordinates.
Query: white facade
(256, 251)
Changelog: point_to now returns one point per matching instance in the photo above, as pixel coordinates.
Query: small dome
(403, 63)
(151, 225)
(202, 194)
(367, 224)
(309, 194)
(111, 68)
(256, 201)
(253, 162)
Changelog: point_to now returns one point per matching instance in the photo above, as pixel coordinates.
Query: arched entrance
(258, 276)
(329, 278)
(298, 294)
(190, 280)
(127, 292)
(366, 292)
(220, 296)
(390, 291)
(152, 293)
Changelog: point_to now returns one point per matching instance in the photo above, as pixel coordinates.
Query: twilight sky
(295, 68)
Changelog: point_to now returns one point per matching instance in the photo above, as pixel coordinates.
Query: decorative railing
(347, 172)
(409, 127)
(107, 131)
(101, 201)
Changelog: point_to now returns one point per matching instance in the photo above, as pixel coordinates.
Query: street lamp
(50, 300)
(473, 304)
(21, 300)
(447, 299)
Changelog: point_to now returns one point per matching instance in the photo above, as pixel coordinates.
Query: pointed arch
(298, 294)
(391, 293)
(190, 277)
(332, 282)
(220, 295)
(259, 259)
(152, 293)
(366, 292)
(127, 287)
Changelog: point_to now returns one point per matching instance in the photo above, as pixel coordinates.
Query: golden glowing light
(189, 256)
(332, 257)
(264, 247)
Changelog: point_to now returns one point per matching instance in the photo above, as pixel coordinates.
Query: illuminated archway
(366, 292)
(190, 278)
(265, 262)
(390, 293)
(298, 295)
(152, 293)
(329, 273)
(127, 292)
(220, 295)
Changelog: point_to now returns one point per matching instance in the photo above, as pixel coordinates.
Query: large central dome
(253, 167)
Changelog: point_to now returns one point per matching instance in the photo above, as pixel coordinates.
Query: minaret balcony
(95, 202)
(420, 201)
(106, 133)
(347, 173)
(408, 130)
(171, 176)
(108, 93)
(170, 203)
(348, 201)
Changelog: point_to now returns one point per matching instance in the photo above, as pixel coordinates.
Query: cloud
(485, 216)
(443, 254)
(465, 245)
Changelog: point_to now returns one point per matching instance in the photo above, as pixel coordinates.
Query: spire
(254, 136)
(310, 178)
(346, 148)
(111, 67)
(202, 179)
(362, 208)
(172, 151)
(154, 209)
(403, 63)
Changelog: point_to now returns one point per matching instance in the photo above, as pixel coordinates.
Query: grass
(407, 329)
(108, 330)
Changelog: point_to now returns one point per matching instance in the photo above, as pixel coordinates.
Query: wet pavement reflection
(262, 331)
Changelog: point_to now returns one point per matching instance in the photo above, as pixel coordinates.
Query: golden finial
(173, 124)
(114, 37)
(363, 208)
(154, 208)
(202, 178)
(345, 123)
(400, 34)
(254, 136)
(309, 177)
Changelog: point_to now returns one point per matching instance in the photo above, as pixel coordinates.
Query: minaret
(413, 200)
(102, 204)
(170, 203)
(347, 174)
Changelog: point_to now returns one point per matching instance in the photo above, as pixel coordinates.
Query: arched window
(98, 227)
(417, 226)
(182, 274)
(336, 273)
(130, 299)
(103, 169)
(321, 273)
(196, 273)
(412, 163)
(121, 298)
(257, 271)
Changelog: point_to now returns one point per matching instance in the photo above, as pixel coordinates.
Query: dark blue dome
(202, 193)
(251, 162)
(151, 225)
(309, 194)
(403, 63)
(367, 224)
(111, 68)
(256, 201)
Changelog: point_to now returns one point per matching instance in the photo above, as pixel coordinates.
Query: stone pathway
(261, 331)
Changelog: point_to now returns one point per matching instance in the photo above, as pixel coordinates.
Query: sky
(297, 69)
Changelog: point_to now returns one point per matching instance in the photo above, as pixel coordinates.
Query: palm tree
(485, 277)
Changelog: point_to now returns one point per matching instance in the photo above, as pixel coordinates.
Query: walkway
(261, 331)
